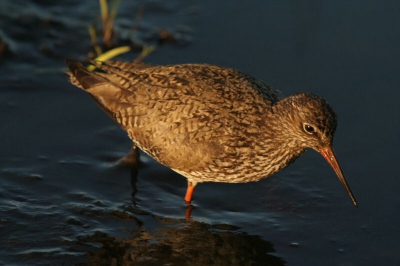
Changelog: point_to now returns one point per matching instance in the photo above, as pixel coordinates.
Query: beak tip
(355, 203)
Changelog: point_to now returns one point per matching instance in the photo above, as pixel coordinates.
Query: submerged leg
(132, 157)
(189, 192)
(188, 211)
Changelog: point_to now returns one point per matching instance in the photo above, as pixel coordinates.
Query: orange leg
(189, 192)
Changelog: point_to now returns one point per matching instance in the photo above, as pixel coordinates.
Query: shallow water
(64, 199)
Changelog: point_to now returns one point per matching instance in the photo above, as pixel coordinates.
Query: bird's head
(311, 122)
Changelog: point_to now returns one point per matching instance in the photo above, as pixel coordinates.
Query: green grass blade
(103, 9)
(114, 8)
(110, 54)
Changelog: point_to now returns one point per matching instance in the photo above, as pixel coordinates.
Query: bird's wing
(172, 111)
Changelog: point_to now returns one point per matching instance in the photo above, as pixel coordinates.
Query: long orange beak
(329, 155)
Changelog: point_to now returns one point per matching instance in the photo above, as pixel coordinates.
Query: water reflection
(173, 241)
(181, 242)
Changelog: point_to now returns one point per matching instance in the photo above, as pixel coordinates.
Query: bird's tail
(82, 77)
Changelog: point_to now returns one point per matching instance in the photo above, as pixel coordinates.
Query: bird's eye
(308, 128)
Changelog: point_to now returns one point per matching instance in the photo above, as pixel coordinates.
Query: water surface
(64, 199)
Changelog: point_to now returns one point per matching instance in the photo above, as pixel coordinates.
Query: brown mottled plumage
(208, 123)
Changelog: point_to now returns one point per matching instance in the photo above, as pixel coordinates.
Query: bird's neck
(279, 152)
(279, 146)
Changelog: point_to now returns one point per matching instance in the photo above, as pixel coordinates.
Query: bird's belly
(231, 170)
(216, 160)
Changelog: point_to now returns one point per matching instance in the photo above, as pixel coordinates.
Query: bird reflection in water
(167, 244)
(180, 242)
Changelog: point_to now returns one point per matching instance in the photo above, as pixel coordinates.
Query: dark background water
(64, 199)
